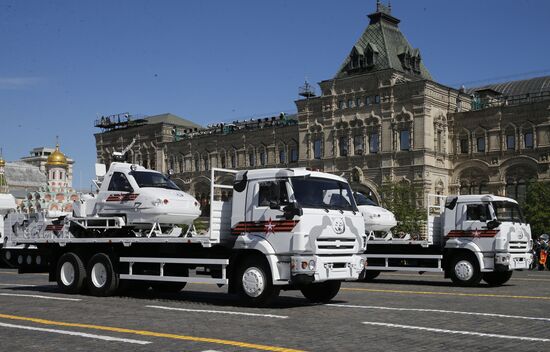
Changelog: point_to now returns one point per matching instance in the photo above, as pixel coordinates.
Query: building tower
(56, 170)
(3, 182)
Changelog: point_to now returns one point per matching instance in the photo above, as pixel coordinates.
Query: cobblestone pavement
(399, 311)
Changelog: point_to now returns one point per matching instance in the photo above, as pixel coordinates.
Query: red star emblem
(476, 233)
(269, 227)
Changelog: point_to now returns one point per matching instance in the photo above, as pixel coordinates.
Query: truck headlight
(311, 265)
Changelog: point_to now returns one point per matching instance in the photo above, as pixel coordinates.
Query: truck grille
(518, 246)
(336, 244)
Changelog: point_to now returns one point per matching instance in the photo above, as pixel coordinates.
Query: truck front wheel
(70, 273)
(255, 286)
(321, 292)
(497, 278)
(465, 270)
(102, 278)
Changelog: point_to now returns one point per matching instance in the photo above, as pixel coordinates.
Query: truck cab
(491, 227)
(306, 223)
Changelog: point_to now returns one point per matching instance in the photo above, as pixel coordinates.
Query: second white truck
(469, 238)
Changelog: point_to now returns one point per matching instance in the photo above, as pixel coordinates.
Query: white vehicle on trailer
(7, 205)
(269, 230)
(468, 237)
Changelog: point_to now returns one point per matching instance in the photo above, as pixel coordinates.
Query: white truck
(467, 237)
(269, 230)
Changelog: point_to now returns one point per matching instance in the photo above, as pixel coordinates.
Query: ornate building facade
(380, 119)
(41, 181)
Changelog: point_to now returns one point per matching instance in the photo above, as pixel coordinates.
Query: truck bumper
(308, 269)
(513, 261)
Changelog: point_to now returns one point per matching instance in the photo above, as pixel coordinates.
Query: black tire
(256, 275)
(370, 275)
(70, 273)
(497, 278)
(101, 276)
(168, 287)
(464, 270)
(322, 292)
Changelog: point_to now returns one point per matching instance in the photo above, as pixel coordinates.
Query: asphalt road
(397, 312)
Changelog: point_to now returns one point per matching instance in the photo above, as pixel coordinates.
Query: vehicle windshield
(362, 199)
(508, 211)
(322, 193)
(153, 179)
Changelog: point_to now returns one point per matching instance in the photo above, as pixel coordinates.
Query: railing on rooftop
(233, 127)
(118, 121)
(509, 100)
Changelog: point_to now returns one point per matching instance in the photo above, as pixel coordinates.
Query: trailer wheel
(254, 282)
(322, 292)
(70, 273)
(371, 275)
(497, 278)
(102, 278)
(464, 270)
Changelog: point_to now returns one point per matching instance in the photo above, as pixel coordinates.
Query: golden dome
(2, 162)
(57, 158)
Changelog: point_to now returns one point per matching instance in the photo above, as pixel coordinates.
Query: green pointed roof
(387, 46)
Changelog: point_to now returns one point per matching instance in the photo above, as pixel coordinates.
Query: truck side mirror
(493, 224)
(241, 185)
(291, 210)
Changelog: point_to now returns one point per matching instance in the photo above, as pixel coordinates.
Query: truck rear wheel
(321, 292)
(70, 273)
(497, 278)
(102, 278)
(254, 282)
(464, 270)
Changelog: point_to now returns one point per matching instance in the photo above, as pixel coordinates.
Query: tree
(401, 199)
(537, 207)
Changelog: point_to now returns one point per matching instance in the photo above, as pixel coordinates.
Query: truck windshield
(311, 192)
(508, 211)
(362, 199)
(153, 179)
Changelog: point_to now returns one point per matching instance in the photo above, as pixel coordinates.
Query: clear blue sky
(64, 62)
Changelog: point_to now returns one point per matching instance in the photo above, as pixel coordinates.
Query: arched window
(263, 157)
(251, 158)
(403, 132)
(317, 148)
(343, 144)
(474, 181)
(517, 179)
(510, 138)
(463, 142)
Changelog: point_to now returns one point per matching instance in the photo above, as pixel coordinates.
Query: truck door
(269, 199)
(117, 198)
(475, 216)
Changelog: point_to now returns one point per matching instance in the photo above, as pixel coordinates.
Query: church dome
(2, 162)
(57, 158)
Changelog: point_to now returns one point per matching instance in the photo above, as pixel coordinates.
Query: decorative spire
(2, 161)
(383, 8)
